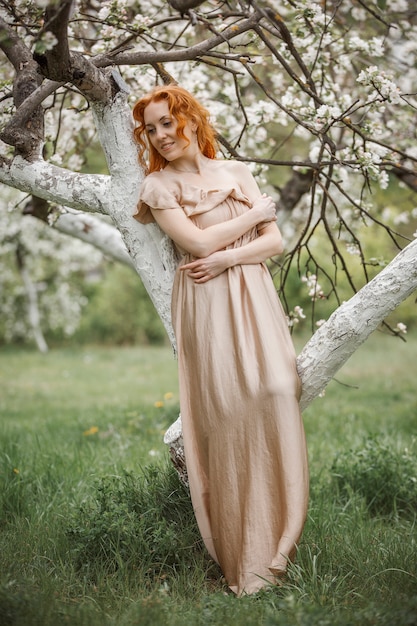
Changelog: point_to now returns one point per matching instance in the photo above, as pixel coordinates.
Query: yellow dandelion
(91, 431)
(158, 404)
(168, 395)
(16, 471)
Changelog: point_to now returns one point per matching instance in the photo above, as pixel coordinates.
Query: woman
(243, 435)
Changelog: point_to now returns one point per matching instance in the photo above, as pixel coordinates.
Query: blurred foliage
(119, 311)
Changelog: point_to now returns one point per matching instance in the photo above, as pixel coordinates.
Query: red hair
(184, 108)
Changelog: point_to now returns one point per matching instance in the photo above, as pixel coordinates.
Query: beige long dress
(243, 435)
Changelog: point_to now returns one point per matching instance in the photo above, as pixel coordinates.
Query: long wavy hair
(184, 108)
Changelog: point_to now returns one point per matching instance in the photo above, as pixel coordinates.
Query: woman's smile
(167, 145)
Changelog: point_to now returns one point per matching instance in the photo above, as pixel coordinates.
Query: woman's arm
(269, 243)
(203, 242)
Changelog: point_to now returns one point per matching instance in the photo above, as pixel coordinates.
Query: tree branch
(13, 47)
(61, 65)
(405, 175)
(27, 136)
(352, 323)
(308, 87)
(88, 228)
(186, 54)
(26, 110)
(55, 62)
(85, 192)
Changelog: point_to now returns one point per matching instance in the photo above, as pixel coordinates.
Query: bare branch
(375, 14)
(59, 64)
(308, 87)
(26, 136)
(278, 22)
(55, 62)
(13, 47)
(186, 54)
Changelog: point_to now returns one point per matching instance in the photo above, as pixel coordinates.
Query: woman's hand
(205, 269)
(266, 208)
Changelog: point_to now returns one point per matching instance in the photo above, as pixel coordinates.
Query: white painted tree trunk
(152, 252)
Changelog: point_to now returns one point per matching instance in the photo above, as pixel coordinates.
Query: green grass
(51, 400)
(95, 528)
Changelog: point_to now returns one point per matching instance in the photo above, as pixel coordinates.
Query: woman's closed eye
(152, 130)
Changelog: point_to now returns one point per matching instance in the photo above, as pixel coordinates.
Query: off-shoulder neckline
(214, 164)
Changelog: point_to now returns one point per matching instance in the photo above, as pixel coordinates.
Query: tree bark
(25, 133)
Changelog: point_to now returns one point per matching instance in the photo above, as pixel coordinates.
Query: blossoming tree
(328, 85)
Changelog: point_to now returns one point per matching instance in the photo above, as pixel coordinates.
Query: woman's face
(161, 128)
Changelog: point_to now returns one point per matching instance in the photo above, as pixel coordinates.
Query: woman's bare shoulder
(237, 168)
(158, 178)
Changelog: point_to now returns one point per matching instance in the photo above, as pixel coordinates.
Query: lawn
(95, 528)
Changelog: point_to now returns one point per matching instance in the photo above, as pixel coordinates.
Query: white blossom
(402, 218)
(104, 12)
(381, 82)
(399, 5)
(353, 248)
(401, 328)
(374, 46)
(314, 288)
